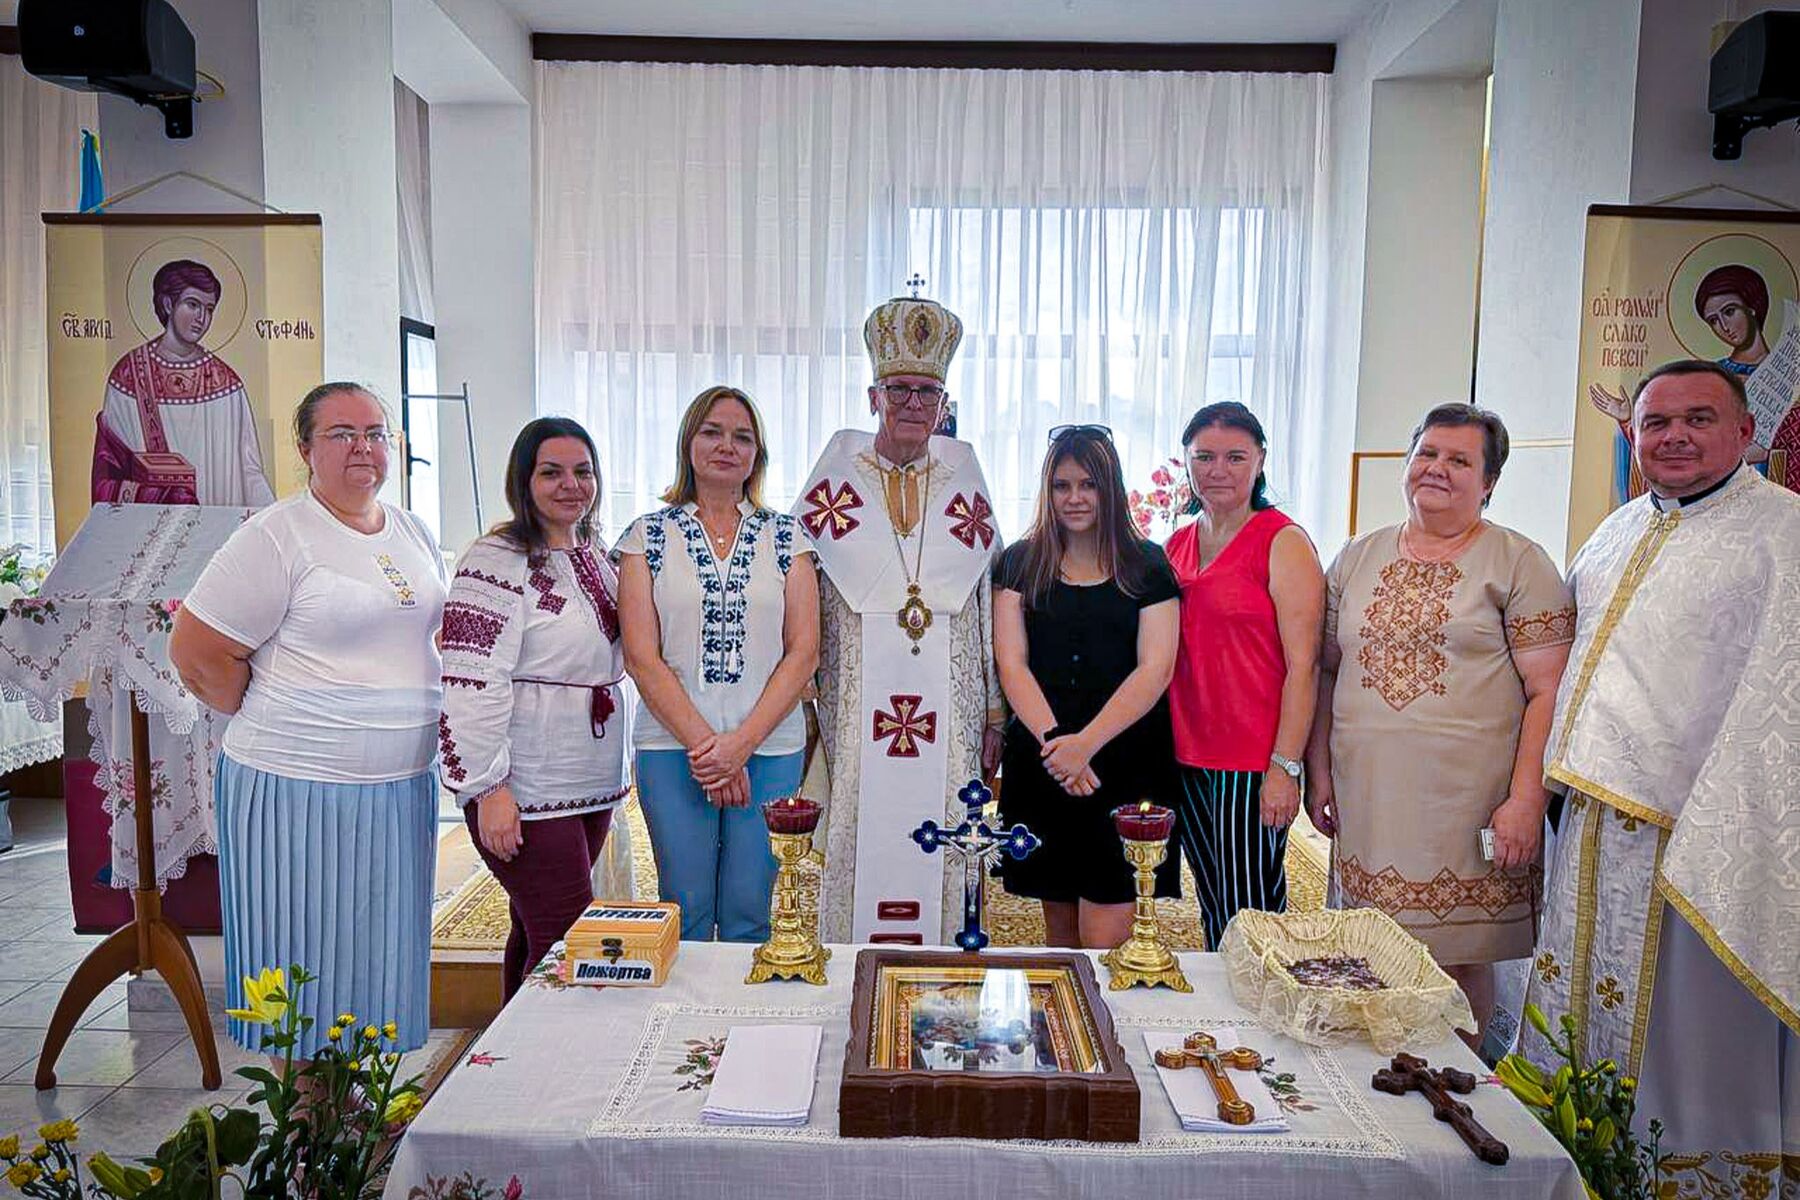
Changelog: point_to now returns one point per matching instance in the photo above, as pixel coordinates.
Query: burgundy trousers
(548, 883)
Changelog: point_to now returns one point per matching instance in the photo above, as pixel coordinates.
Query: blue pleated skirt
(336, 877)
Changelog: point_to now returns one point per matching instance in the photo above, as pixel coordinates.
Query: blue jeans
(713, 861)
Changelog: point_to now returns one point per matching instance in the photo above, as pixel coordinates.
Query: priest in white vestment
(1670, 932)
(177, 426)
(910, 707)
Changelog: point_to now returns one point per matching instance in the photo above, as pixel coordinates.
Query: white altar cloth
(102, 617)
(579, 1091)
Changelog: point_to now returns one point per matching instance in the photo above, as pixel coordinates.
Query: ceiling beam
(1307, 57)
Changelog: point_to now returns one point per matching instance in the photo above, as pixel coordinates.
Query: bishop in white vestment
(1669, 933)
(909, 701)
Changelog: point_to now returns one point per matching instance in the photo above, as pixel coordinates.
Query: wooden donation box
(954, 1044)
(623, 944)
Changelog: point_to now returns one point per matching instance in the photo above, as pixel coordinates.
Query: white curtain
(40, 171)
(1121, 247)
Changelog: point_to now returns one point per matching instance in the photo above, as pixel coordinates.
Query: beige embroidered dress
(1424, 726)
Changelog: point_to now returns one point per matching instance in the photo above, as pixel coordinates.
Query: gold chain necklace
(915, 615)
(1454, 548)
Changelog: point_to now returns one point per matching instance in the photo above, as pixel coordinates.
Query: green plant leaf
(1604, 1133)
(1539, 1022)
(111, 1176)
(1565, 1119)
(239, 1130)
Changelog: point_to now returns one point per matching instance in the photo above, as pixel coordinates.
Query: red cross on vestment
(830, 511)
(906, 725)
(969, 520)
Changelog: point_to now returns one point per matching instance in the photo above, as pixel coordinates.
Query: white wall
(1423, 245)
(328, 147)
(481, 214)
(1560, 140)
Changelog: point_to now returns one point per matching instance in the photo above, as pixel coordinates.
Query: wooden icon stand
(148, 942)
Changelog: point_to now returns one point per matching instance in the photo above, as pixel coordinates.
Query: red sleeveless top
(1225, 699)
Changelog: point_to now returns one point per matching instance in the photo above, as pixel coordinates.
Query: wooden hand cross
(1411, 1074)
(1202, 1050)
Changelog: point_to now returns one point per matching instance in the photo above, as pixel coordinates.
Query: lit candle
(1143, 822)
(791, 814)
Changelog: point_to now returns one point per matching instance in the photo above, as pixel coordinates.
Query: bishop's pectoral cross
(1410, 1074)
(978, 845)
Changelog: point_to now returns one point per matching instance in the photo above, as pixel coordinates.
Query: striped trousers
(1236, 860)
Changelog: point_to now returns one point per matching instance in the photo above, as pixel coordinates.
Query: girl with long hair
(1085, 621)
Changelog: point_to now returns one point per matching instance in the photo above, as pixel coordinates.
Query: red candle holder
(792, 814)
(1144, 822)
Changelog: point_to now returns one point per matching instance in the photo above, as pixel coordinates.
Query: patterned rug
(475, 915)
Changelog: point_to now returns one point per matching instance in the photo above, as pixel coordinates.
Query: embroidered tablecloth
(103, 617)
(597, 1091)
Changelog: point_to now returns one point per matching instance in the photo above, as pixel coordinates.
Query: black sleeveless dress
(1083, 644)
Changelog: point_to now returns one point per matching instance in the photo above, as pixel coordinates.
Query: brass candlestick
(1142, 960)
(793, 950)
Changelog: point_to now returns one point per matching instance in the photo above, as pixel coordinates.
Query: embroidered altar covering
(624, 1115)
(103, 617)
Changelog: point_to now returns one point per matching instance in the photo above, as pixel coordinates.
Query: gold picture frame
(954, 1044)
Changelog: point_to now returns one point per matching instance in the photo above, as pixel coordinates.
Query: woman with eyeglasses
(1085, 621)
(314, 628)
(532, 658)
(1252, 608)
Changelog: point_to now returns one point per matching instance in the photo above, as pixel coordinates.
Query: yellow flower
(155, 1174)
(346, 1018)
(59, 1131)
(1628, 1084)
(391, 1059)
(9, 1146)
(1586, 1125)
(40, 1152)
(63, 1175)
(20, 1174)
(402, 1108)
(356, 1064)
(391, 1032)
(334, 1033)
(370, 1032)
(266, 996)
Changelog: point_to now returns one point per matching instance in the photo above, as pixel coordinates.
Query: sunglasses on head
(1059, 432)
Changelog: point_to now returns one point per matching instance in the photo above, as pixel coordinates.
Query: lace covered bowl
(1417, 1004)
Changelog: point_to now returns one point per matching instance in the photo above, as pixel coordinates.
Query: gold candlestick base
(793, 950)
(1142, 960)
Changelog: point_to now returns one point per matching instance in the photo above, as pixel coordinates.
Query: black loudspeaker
(139, 49)
(1755, 79)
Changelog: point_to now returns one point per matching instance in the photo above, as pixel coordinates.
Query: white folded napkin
(1191, 1093)
(765, 1076)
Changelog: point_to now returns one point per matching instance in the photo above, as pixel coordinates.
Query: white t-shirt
(344, 681)
(721, 621)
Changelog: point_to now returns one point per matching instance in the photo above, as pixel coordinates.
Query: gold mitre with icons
(912, 336)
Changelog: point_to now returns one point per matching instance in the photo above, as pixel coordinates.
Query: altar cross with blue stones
(979, 845)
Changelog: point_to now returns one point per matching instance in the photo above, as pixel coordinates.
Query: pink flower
(514, 1189)
(1161, 477)
(171, 606)
(1160, 497)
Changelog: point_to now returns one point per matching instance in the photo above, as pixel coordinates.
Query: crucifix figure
(915, 282)
(978, 845)
(1410, 1074)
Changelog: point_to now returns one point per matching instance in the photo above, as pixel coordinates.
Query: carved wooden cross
(1202, 1050)
(1410, 1074)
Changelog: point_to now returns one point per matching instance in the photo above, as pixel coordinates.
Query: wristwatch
(1295, 770)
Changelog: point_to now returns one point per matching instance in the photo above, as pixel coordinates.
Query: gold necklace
(1453, 547)
(915, 615)
(721, 540)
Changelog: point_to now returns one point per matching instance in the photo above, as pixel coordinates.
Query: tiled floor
(127, 1076)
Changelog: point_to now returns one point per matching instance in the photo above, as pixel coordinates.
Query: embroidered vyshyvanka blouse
(532, 663)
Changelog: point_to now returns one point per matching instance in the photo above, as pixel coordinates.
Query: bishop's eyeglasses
(901, 395)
